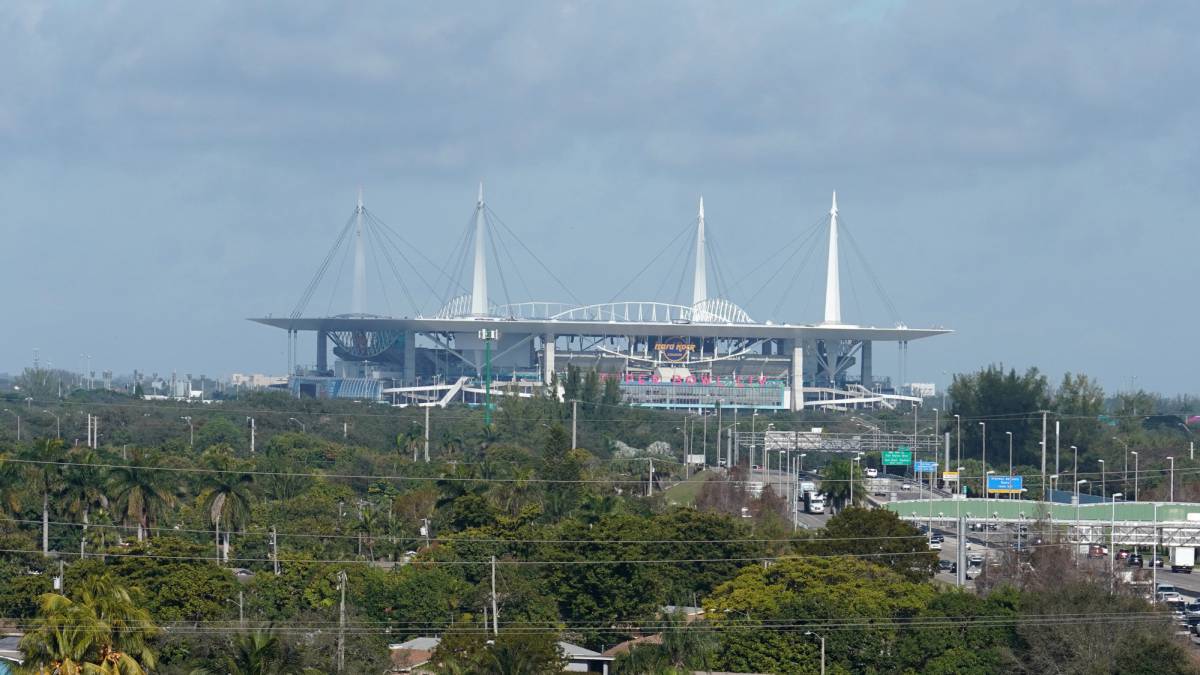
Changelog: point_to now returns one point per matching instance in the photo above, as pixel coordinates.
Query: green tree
(612, 393)
(1079, 401)
(260, 652)
(142, 492)
(812, 590)
(836, 483)
(878, 535)
(84, 487)
(226, 496)
(1008, 402)
(45, 476)
(103, 631)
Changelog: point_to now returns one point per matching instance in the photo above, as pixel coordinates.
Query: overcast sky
(1024, 173)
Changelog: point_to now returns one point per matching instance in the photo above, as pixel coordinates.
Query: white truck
(814, 502)
(1183, 558)
(807, 486)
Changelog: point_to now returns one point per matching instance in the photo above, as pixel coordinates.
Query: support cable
(321, 270)
(533, 255)
(870, 272)
(653, 260)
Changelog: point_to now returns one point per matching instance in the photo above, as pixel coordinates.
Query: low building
(414, 655)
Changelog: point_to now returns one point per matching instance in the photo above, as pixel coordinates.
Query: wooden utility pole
(574, 424)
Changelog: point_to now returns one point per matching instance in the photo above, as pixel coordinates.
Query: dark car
(948, 566)
(935, 537)
(1134, 560)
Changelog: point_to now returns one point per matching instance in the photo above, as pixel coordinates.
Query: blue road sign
(925, 467)
(1005, 484)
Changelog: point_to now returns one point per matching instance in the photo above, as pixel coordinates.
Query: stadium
(700, 352)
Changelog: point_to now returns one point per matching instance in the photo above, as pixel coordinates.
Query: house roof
(418, 644)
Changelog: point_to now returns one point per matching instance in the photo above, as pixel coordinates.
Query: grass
(685, 493)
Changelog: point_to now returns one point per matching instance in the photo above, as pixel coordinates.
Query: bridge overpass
(1174, 524)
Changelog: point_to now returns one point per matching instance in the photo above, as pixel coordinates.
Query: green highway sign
(901, 456)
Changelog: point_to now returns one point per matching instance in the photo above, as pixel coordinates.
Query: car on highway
(1134, 560)
(1192, 609)
(906, 485)
(939, 538)
(1167, 593)
(975, 559)
(948, 566)
(1123, 553)
(935, 545)
(871, 472)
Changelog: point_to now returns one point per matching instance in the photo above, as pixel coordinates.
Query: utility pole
(251, 420)
(574, 424)
(650, 485)
(427, 434)
(345, 430)
(1057, 424)
(1043, 455)
(495, 612)
(275, 549)
(341, 643)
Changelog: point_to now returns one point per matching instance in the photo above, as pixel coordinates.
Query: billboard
(901, 456)
(1005, 484)
(950, 476)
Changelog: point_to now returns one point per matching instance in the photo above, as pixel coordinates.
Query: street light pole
(1075, 471)
(1135, 475)
(191, 430)
(1102, 495)
(983, 455)
(1125, 476)
(1172, 461)
(822, 639)
(958, 441)
(1112, 541)
(57, 424)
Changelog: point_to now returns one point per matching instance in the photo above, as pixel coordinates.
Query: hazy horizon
(1021, 174)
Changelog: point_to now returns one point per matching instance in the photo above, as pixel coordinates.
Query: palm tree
(411, 441)
(11, 481)
(452, 444)
(105, 632)
(369, 524)
(84, 487)
(260, 652)
(47, 477)
(836, 484)
(142, 493)
(226, 496)
(121, 610)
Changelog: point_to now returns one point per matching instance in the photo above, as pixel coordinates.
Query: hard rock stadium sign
(703, 380)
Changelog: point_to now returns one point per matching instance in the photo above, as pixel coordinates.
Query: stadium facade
(703, 354)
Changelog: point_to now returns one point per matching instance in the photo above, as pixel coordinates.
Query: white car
(906, 485)
(871, 472)
(935, 545)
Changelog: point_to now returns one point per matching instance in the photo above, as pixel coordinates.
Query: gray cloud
(194, 159)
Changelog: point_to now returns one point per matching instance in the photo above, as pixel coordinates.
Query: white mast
(833, 291)
(360, 263)
(700, 276)
(479, 301)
